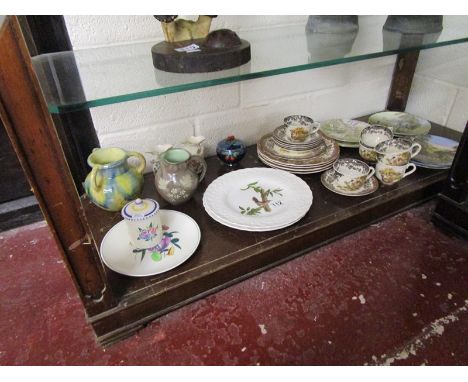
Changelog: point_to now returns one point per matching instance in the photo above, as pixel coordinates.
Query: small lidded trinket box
(143, 222)
(230, 150)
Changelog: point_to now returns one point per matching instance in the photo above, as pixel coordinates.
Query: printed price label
(189, 48)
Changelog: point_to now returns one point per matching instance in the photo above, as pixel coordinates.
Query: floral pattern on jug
(148, 233)
(177, 175)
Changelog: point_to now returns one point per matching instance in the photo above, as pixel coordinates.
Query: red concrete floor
(395, 293)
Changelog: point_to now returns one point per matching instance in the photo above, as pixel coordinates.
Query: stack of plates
(436, 152)
(257, 199)
(316, 154)
(346, 132)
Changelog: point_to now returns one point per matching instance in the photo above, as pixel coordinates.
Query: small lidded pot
(143, 222)
(230, 150)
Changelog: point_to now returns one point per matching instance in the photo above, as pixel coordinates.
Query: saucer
(329, 176)
(181, 236)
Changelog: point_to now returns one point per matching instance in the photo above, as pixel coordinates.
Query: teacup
(351, 173)
(367, 153)
(143, 223)
(397, 151)
(372, 135)
(300, 127)
(389, 175)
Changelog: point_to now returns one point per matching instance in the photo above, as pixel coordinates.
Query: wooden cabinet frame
(71, 218)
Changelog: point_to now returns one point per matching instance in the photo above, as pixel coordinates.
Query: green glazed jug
(112, 182)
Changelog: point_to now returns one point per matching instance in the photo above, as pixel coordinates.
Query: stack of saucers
(436, 152)
(315, 154)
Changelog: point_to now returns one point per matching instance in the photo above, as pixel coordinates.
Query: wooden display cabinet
(117, 305)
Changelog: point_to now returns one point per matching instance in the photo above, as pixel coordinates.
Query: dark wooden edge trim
(451, 212)
(127, 318)
(403, 74)
(457, 185)
(453, 225)
(35, 140)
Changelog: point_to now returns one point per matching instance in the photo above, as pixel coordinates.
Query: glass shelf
(89, 78)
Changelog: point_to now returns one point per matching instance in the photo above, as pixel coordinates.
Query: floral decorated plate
(266, 146)
(328, 179)
(181, 237)
(404, 124)
(257, 199)
(345, 131)
(296, 169)
(302, 154)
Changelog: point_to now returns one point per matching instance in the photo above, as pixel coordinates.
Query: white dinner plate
(258, 199)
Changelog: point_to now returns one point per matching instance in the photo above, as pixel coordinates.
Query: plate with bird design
(180, 239)
(257, 199)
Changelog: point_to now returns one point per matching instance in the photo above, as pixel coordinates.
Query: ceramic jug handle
(93, 179)
(141, 167)
(199, 162)
(156, 166)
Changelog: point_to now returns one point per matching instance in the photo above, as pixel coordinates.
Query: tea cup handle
(415, 149)
(200, 162)
(315, 127)
(410, 171)
(371, 172)
(141, 167)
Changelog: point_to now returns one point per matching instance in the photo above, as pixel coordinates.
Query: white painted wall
(440, 86)
(252, 108)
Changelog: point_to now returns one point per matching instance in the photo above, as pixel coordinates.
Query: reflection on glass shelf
(125, 72)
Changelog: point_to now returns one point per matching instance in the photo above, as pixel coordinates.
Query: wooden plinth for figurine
(170, 57)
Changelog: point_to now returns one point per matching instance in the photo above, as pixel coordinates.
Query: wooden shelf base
(226, 256)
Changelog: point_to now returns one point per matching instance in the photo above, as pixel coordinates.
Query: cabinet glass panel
(123, 73)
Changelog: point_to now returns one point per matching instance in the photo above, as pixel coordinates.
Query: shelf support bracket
(403, 74)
